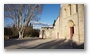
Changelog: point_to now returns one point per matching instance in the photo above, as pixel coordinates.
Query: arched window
(70, 8)
(76, 7)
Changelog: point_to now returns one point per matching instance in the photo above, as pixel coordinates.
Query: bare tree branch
(22, 14)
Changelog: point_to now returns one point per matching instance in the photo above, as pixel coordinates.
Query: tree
(22, 14)
(54, 23)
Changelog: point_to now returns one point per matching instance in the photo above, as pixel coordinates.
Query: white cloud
(38, 25)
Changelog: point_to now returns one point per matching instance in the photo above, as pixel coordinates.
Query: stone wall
(48, 32)
(71, 15)
(74, 12)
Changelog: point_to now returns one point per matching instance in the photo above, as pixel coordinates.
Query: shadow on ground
(47, 45)
(54, 44)
(60, 44)
(16, 41)
(70, 45)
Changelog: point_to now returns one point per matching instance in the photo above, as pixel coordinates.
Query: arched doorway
(71, 26)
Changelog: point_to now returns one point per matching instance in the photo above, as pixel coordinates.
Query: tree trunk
(20, 34)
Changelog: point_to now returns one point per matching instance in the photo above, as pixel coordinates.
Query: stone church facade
(68, 25)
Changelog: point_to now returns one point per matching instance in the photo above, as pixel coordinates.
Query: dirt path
(36, 43)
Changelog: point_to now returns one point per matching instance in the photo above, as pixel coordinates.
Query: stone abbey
(68, 25)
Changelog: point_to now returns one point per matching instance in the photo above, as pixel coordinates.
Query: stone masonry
(68, 25)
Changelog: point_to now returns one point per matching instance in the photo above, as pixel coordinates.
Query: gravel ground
(36, 43)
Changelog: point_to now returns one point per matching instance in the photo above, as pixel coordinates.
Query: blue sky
(49, 14)
(8, 21)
